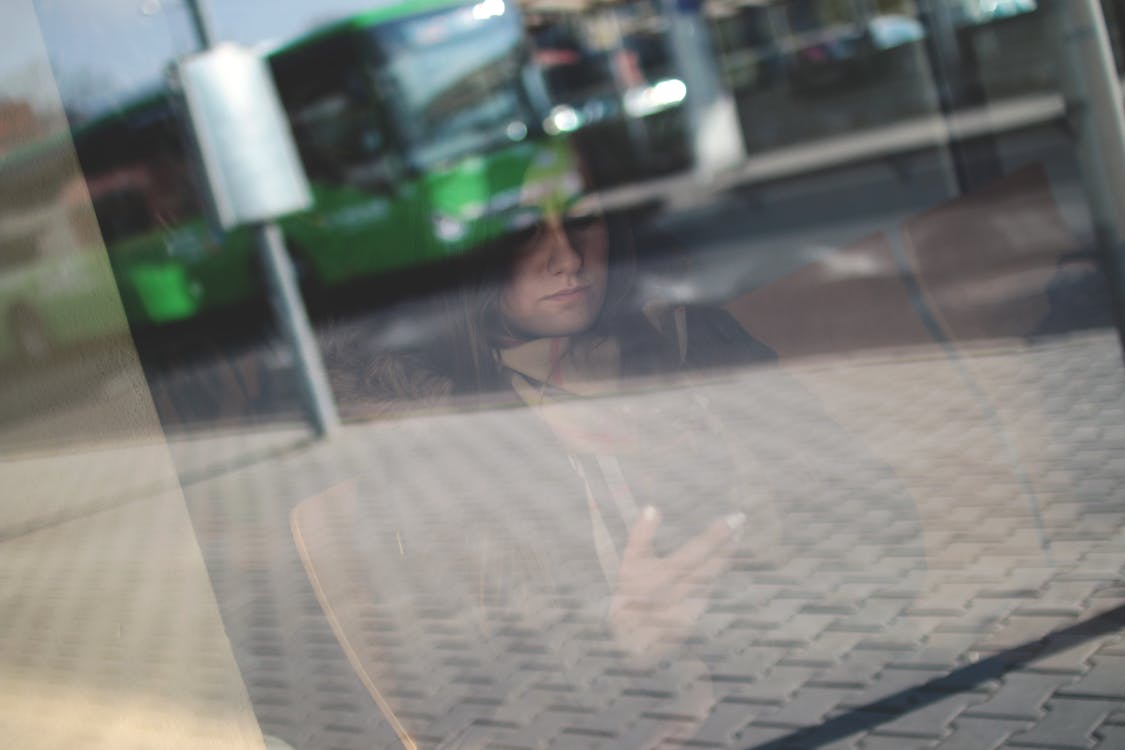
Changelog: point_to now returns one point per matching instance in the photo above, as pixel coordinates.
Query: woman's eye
(582, 228)
(583, 221)
(523, 240)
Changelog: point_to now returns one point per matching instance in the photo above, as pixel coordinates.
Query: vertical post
(640, 149)
(863, 12)
(290, 311)
(1093, 97)
(955, 73)
(712, 117)
(201, 22)
(285, 296)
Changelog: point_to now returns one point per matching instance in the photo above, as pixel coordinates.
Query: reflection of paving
(111, 637)
(840, 597)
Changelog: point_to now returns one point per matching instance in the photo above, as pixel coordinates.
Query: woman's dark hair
(460, 327)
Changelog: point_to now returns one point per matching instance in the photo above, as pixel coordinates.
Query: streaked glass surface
(710, 375)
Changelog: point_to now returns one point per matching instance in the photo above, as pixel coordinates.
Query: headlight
(516, 131)
(562, 119)
(448, 229)
(487, 9)
(648, 100)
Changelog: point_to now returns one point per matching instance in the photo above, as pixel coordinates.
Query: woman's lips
(569, 294)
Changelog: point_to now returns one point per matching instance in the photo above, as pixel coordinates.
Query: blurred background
(741, 140)
(916, 204)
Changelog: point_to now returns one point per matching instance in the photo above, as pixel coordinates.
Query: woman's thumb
(640, 536)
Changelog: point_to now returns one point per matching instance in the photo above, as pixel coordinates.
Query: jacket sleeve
(716, 340)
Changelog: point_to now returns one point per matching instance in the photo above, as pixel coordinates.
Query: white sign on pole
(248, 156)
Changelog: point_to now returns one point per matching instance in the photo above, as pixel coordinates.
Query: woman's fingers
(695, 587)
(656, 582)
(639, 546)
(701, 553)
(659, 599)
(699, 557)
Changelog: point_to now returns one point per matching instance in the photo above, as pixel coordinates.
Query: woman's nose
(563, 258)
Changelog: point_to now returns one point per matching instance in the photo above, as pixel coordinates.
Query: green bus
(417, 124)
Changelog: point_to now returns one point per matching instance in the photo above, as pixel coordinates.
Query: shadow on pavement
(870, 715)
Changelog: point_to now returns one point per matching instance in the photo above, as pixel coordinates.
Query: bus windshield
(447, 109)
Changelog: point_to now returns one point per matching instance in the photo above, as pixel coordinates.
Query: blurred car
(622, 106)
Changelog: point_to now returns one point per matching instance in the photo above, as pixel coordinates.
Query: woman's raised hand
(657, 599)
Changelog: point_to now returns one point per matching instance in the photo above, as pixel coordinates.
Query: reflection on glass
(386, 136)
(825, 452)
(447, 110)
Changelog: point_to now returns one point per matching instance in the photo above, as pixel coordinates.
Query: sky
(101, 51)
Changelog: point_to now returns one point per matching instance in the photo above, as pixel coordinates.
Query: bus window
(449, 111)
(335, 134)
(137, 173)
(122, 213)
(335, 119)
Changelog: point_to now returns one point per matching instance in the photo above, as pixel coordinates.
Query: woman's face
(558, 280)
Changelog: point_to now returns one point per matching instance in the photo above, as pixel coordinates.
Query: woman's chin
(570, 325)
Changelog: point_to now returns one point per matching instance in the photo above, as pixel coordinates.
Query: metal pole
(640, 148)
(975, 162)
(1093, 96)
(290, 311)
(201, 22)
(864, 12)
(712, 116)
(284, 294)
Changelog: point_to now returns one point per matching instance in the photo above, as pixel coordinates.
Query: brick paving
(921, 522)
(920, 512)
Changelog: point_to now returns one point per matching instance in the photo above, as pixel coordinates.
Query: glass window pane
(644, 374)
